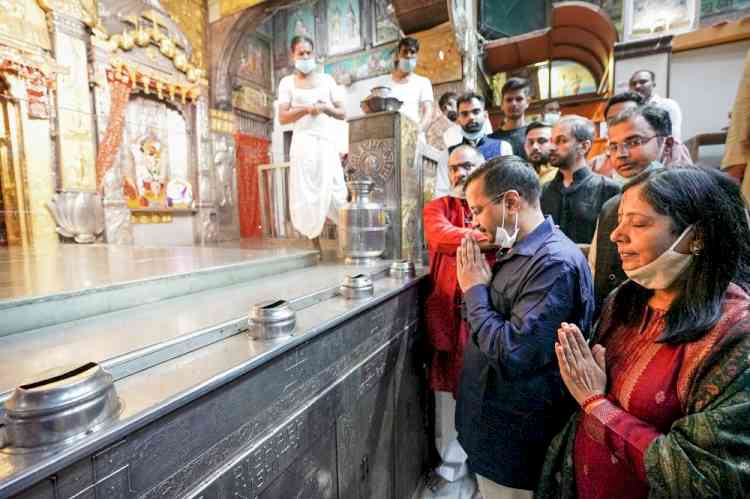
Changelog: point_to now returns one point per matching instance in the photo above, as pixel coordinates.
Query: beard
(562, 162)
(538, 159)
(473, 127)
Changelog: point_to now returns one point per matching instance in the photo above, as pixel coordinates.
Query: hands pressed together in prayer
(472, 266)
(583, 369)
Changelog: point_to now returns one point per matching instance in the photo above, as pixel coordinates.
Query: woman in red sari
(665, 390)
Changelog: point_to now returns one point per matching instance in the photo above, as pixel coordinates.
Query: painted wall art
(344, 22)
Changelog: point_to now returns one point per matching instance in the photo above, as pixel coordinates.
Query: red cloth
(251, 152)
(447, 221)
(119, 90)
(648, 391)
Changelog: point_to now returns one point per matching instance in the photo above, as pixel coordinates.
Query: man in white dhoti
(312, 101)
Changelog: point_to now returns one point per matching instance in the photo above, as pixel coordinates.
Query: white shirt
(325, 90)
(412, 91)
(675, 113)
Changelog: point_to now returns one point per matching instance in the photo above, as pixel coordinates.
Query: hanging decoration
(149, 82)
(119, 87)
(38, 74)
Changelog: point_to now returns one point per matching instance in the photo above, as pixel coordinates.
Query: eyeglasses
(630, 143)
(478, 210)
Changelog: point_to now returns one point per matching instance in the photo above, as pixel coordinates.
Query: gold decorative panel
(253, 101)
(83, 10)
(228, 7)
(76, 119)
(190, 15)
(25, 21)
(439, 58)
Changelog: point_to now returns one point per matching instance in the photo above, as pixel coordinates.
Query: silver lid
(271, 319)
(60, 407)
(357, 286)
(402, 269)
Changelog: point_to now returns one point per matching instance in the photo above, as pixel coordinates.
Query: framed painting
(384, 30)
(300, 22)
(653, 18)
(344, 21)
(254, 61)
(362, 65)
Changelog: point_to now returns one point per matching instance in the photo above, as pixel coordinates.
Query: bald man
(447, 220)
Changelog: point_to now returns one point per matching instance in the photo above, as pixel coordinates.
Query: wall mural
(344, 26)
(384, 29)
(300, 22)
(363, 65)
(254, 61)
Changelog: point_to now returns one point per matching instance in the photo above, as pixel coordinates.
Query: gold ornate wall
(24, 21)
(228, 7)
(190, 15)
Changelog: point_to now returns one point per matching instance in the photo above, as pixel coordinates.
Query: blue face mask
(304, 66)
(407, 65)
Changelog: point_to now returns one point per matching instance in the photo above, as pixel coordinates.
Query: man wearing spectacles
(511, 401)
(447, 220)
(576, 195)
(637, 138)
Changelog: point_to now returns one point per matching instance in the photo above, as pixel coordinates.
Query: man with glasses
(576, 195)
(637, 138)
(511, 400)
(447, 220)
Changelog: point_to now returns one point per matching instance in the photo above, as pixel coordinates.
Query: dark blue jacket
(511, 399)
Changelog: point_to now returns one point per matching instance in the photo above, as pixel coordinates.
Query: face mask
(407, 65)
(451, 115)
(664, 270)
(473, 133)
(304, 66)
(502, 238)
(551, 118)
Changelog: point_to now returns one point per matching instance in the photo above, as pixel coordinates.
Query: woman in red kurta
(665, 391)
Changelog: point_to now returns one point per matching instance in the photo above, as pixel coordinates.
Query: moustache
(472, 127)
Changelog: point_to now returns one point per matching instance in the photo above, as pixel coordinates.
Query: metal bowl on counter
(58, 409)
(381, 91)
(375, 104)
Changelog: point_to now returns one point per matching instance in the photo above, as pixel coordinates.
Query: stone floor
(60, 268)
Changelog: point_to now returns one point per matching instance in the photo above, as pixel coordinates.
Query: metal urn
(362, 225)
(79, 215)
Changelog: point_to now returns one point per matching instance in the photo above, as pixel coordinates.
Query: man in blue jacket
(511, 400)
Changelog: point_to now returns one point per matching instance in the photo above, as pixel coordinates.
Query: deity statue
(224, 164)
(150, 172)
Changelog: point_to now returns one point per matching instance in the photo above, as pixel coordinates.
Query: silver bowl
(380, 91)
(374, 104)
(79, 215)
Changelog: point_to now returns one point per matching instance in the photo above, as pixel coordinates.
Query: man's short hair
(515, 84)
(656, 117)
(503, 173)
(628, 96)
(446, 97)
(537, 124)
(468, 97)
(581, 128)
(651, 74)
(477, 158)
(408, 42)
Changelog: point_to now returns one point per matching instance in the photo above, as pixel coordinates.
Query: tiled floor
(72, 267)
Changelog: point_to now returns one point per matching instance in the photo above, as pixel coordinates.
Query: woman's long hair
(711, 202)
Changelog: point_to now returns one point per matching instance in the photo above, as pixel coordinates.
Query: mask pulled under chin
(473, 136)
(502, 237)
(665, 269)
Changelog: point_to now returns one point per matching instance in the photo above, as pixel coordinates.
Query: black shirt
(516, 138)
(576, 208)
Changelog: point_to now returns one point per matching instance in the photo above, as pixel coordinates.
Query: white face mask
(473, 136)
(502, 238)
(551, 118)
(665, 269)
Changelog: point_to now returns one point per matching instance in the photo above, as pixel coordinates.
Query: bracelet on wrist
(590, 400)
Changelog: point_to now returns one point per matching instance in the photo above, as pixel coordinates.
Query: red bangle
(591, 400)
